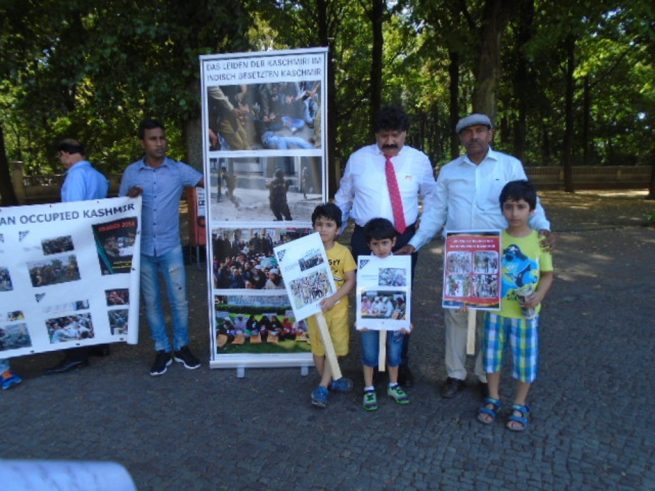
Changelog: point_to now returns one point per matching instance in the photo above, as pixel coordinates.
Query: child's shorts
(337, 321)
(523, 338)
(371, 347)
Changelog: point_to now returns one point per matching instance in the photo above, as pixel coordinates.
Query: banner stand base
(241, 362)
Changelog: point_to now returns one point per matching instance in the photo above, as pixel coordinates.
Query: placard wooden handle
(330, 354)
(470, 332)
(382, 352)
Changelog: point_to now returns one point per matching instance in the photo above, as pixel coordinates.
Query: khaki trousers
(456, 326)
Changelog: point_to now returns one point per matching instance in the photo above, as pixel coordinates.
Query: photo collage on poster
(49, 255)
(383, 292)
(472, 270)
(265, 173)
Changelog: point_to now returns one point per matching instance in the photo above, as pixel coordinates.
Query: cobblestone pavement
(206, 429)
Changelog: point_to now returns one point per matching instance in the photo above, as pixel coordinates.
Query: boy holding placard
(381, 237)
(527, 271)
(326, 220)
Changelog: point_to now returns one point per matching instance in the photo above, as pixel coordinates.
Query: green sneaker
(398, 394)
(370, 400)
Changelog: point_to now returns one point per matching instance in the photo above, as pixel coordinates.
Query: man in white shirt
(466, 198)
(363, 191)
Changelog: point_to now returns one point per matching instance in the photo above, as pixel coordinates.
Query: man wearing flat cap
(466, 198)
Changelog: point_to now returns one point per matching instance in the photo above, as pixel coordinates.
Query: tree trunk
(331, 116)
(567, 149)
(651, 186)
(545, 143)
(495, 17)
(453, 89)
(586, 111)
(522, 77)
(192, 134)
(7, 194)
(376, 15)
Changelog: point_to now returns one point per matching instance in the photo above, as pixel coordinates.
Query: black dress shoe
(451, 387)
(405, 377)
(66, 365)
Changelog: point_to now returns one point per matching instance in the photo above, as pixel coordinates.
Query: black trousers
(359, 247)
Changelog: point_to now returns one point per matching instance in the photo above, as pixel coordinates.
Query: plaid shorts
(523, 338)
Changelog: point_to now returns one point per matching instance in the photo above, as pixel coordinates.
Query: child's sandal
(518, 422)
(489, 410)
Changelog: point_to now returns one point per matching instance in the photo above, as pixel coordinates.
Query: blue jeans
(359, 247)
(371, 344)
(171, 266)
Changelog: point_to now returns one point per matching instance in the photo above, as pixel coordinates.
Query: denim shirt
(160, 213)
(83, 182)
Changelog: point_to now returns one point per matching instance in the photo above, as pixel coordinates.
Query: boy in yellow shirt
(326, 220)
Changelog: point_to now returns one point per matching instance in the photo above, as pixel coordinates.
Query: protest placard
(308, 280)
(472, 274)
(383, 296)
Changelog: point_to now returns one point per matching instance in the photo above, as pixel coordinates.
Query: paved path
(205, 429)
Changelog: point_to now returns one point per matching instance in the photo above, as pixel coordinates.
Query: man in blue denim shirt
(83, 182)
(160, 181)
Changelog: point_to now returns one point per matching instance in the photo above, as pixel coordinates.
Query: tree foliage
(91, 69)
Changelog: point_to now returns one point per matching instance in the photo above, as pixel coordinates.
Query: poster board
(472, 270)
(472, 275)
(69, 275)
(308, 280)
(307, 275)
(384, 293)
(264, 148)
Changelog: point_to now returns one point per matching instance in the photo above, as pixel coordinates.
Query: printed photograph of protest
(459, 262)
(314, 257)
(485, 286)
(70, 328)
(262, 329)
(118, 296)
(264, 116)
(278, 299)
(73, 306)
(115, 245)
(265, 188)
(485, 262)
(57, 245)
(458, 285)
(243, 257)
(14, 336)
(118, 321)
(383, 305)
(5, 280)
(475, 286)
(393, 277)
(308, 289)
(53, 271)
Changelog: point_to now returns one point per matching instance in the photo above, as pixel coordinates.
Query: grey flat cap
(472, 120)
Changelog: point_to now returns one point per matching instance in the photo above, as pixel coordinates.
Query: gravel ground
(207, 429)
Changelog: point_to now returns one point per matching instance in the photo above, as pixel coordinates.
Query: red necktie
(394, 195)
